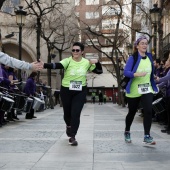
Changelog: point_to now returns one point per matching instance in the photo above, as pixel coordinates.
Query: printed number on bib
(75, 85)
(144, 88)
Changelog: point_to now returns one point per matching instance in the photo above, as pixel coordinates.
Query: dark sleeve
(98, 69)
(53, 65)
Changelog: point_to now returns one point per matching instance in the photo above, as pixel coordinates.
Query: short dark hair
(33, 74)
(158, 61)
(80, 45)
(10, 69)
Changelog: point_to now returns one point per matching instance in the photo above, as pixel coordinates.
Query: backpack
(124, 81)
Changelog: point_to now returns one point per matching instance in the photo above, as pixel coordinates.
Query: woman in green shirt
(140, 88)
(73, 88)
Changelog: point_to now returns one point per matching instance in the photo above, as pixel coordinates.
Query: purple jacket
(4, 77)
(130, 74)
(30, 87)
(14, 78)
(165, 82)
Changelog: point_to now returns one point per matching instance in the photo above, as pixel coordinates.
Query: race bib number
(144, 88)
(75, 85)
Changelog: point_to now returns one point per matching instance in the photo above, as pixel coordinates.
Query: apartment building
(160, 31)
(101, 17)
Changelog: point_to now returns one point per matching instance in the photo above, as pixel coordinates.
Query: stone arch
(11, 47)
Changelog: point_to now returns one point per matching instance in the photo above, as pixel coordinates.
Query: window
(92, 15)
(108, 24)
(108, 10)
(111, 24)
(77, 2)
(95, 42)
(94, 27)
(91, 55)
(92, 2)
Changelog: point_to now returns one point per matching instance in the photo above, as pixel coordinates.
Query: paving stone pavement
(41, 144)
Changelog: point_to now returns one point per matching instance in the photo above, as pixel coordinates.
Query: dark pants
(30, 115)
(146, 101)
(1, 116)
(73, 102)
(93, 98)
(168, 111)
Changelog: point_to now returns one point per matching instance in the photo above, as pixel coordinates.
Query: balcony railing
(166, 43)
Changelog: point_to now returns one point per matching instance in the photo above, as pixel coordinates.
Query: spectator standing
(57, 96)
(93, 97)
(104, 98)
(165, 82)
(158, 68)
(100, 98)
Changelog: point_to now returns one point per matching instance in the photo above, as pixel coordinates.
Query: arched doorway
(12, 49)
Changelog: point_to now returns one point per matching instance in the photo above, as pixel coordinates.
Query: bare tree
(42, 11)
(60, 34)
(112, 34)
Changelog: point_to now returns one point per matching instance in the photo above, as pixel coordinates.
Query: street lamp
(20, 20)
(155, 11)
(155, 14)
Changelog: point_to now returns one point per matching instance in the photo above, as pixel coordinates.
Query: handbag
(124, 82)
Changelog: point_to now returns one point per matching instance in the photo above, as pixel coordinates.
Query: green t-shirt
(93, 94)
(144, 66)
(75, 71)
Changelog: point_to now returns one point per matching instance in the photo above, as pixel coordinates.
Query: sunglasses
(76, 50)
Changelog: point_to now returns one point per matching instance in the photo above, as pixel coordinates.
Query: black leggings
(73, 102)
(168, 111)
(146, 101)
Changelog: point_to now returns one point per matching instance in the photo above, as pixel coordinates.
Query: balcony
(166, 43)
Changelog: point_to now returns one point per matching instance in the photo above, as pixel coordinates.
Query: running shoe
(149, 140)
(127, 137)
(68, 131)
(73, 142)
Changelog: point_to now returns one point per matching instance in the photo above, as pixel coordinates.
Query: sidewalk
(41, 144)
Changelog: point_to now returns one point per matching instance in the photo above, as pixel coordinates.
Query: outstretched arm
(51, 65)
(15, 63)
(98, 69)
